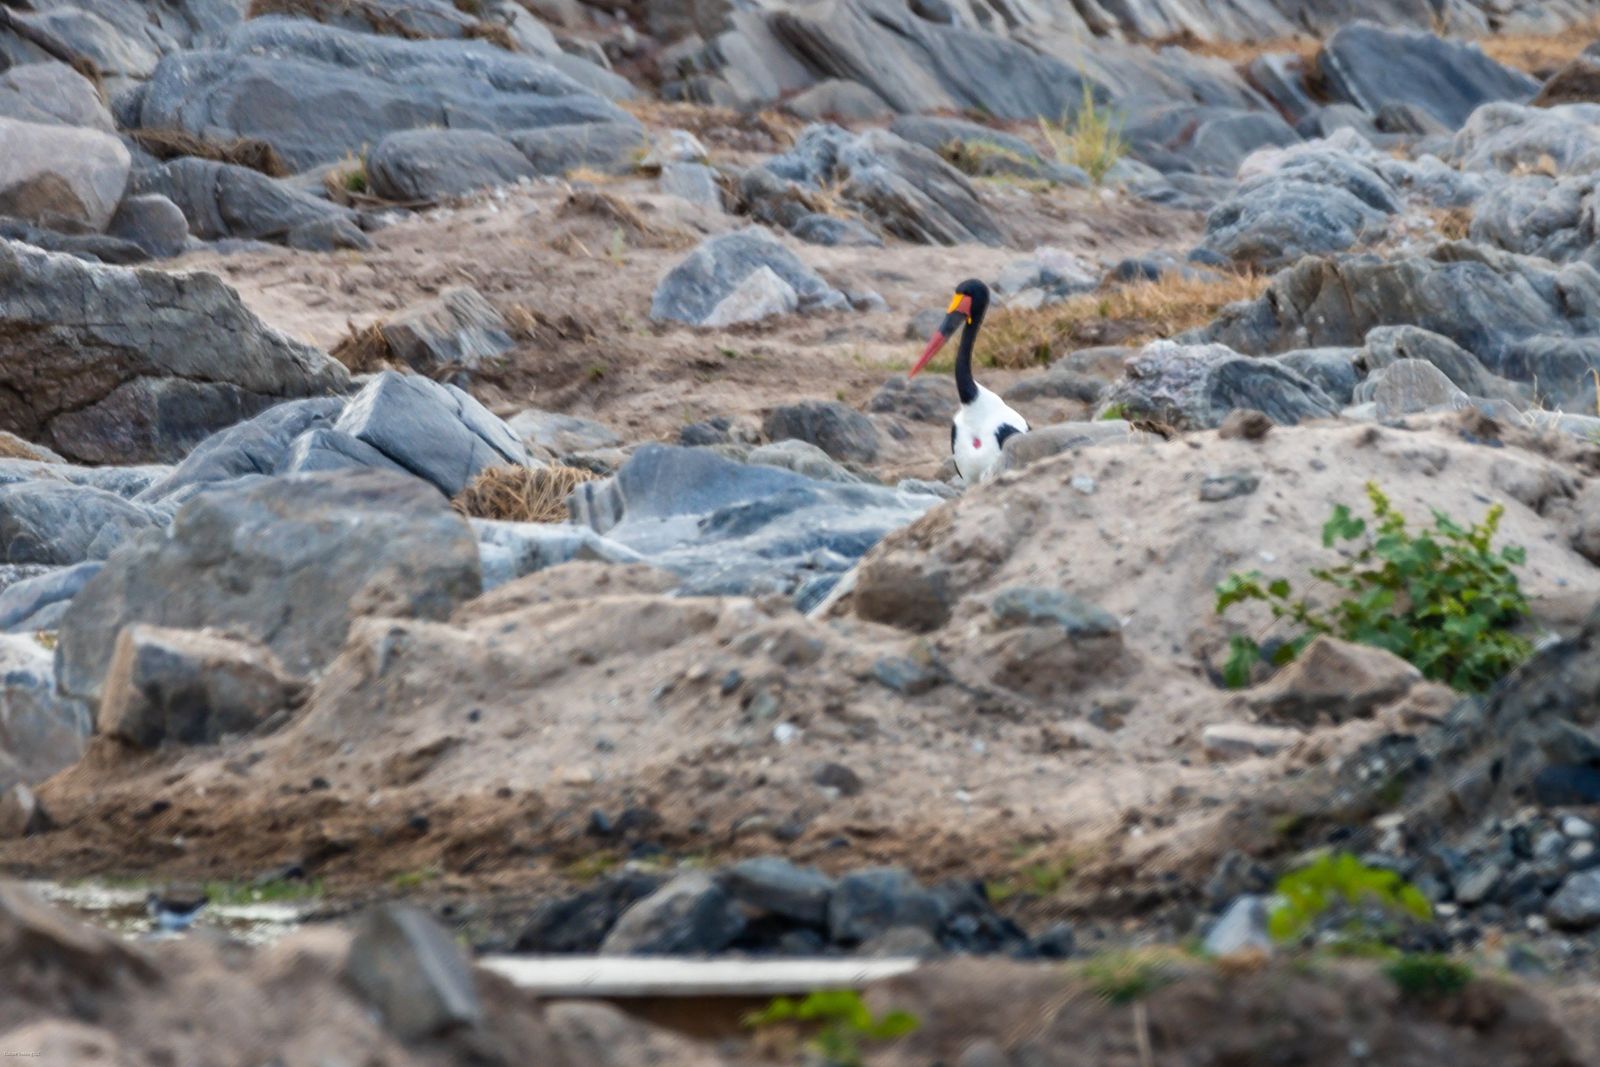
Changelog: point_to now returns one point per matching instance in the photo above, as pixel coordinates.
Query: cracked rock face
(111, 365)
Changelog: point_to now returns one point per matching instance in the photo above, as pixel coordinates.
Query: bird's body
(978, 434)
(984, 423)
(175, 910)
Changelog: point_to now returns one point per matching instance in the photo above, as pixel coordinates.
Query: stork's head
(966, 309)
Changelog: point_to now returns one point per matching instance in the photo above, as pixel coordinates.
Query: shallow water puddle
(121, 909)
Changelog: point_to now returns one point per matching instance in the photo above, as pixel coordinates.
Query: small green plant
(839, 1021)
(1428, 975)
(1091, 139)
(597, 371)
(1443, 600)
(1043, 878)
(355, 181)
(1124, 977)
(408, 880)
(1114, 411)
(593, 867)
(1310, 892)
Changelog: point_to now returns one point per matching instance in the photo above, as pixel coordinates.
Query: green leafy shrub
(1443, 600)
(1091, 139)
(1310, 892)
(1428, 975)
(840, 1023)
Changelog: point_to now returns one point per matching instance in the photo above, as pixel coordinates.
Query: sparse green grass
(593, 867)
(406, 881)
(355, 181)
(1127, 976)
(1428, 976)
(1308, 893)
(1090, 139)
(1114, 411)
(839, 1023)
(1041, 878)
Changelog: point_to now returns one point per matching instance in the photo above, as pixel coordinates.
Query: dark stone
(841, 432)
(690, 915)
(579, 923)
(774, 885)
(870, 901)
(919, 399)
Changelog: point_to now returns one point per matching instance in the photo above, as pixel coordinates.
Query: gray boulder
(841, 432)
(773, 885)
(58, 175)
(152, 222)
(868, 902)
(1203, 138)
(436, 432)
(1386, 345)
(458, 329)
(59, 523)
(36, 603)
(1512, 138)
(189, 687)
(510, 550)
(1522, 318)
(610, 147)
(1275, 224)
(1193, 387)
(1336, 371)
(1369, 65)
(411, 971)
(429, 165)
(258, 446)
(315, 548)
(327, 449)
(919, 399)
(317, 93)
(1409, 386)
(52, 93)
(692, 290)
(838, 100)
(41, 731)
(1242, 928)
(690, 915)
(694, 182)
(904, 188)
(1540, 216)
(222, 200)
(1576, 905)
(729, 528)
(761, 295)
(111, 365)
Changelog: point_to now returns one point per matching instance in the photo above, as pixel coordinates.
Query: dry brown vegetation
(241, 152)
(521, 494)
(14, 447)
(363, 350)
(1453, 223)
(381, 20)
(1130, 314)
(1241, 52)
(1541, 54)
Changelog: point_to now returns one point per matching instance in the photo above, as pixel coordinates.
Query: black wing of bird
(1003, 434)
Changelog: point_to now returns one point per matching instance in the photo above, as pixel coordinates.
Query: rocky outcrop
(61, 175)
(318, 94)
(317, 549)
(1370, 66)
(222, 200)
(111, 365)
(696, 290)
(1195, 387)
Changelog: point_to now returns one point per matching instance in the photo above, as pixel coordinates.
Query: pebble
(1083, 484)
(1576, 828)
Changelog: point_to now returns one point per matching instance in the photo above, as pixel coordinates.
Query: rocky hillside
(462, 452)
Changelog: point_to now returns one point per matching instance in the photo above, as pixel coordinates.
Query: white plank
(639, 976)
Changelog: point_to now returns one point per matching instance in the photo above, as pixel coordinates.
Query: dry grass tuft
(521, 494)
(1240, 53)
(14, 447)
(381, 20)
(365, 350)
(241, 152)
(1130, 314)
(1453, 223)
(623, 217)
(1090, 139)
(1540, 54)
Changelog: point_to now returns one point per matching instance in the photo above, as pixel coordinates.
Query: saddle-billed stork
(984, 422)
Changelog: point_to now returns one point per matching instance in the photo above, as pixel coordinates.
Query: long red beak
(928, 353)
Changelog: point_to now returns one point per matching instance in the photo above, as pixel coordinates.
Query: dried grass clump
(363, 350)
(1239, 53)
(1540, 54)
(241, 151)
(14, 447)
(521, 494)
(1090, 139)
(622, 216)
(1147, 311)
(1453, 223)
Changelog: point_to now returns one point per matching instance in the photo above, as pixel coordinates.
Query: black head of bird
(967, 308)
